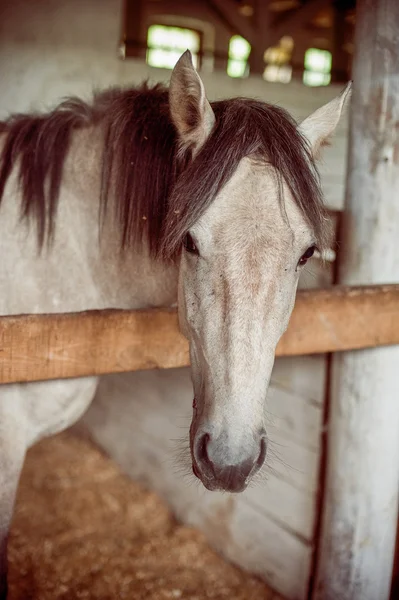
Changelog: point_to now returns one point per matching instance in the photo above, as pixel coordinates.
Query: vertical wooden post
(135, 39)
(339, 71)
(262, 28)
(361, 496)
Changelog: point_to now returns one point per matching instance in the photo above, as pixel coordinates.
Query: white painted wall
(52, 48)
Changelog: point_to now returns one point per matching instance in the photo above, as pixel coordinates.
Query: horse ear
(190, 110)
(319, 127)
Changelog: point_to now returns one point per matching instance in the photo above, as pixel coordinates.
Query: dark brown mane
(155, 198)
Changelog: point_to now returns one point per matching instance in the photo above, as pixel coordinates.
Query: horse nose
(212, 465)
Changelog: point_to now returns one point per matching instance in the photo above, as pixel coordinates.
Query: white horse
(147, 196)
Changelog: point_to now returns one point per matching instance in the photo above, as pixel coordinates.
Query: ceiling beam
(227, 10)
(57, 346)
(294, 20)
(267, 31)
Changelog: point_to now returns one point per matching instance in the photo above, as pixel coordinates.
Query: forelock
(244, 128)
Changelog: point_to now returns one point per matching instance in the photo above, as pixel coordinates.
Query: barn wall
(50, 49)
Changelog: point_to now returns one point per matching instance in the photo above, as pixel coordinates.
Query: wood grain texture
(355, 554)
(40, 347)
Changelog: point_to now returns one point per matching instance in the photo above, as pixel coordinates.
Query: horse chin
(213, 485)
(216, 487)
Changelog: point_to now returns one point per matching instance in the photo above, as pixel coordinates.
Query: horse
(147, 197)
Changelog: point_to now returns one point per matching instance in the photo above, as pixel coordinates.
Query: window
(278, 61)
(166, 45)
(239, 50)
(317, 67)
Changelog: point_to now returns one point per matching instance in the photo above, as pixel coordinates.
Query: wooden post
(356, 547)
(134, 32)
(262, 25)
(340, 61)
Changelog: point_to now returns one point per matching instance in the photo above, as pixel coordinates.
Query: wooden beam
(267, 32)
(227, 10)
(296, 19)
(359, 523)
(262, 22)
(39, 347)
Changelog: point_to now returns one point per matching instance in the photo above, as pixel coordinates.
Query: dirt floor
(84, 530)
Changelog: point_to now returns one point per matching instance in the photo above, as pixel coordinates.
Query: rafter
(268, 32)
(294, 20)
(227, 10)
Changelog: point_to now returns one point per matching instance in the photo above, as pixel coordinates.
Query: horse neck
(83, 269)
(129, 279)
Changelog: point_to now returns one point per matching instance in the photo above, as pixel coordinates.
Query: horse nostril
(221, 467)
(262, 453)
(202, 453)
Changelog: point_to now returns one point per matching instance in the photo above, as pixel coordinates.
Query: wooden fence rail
(40, 347)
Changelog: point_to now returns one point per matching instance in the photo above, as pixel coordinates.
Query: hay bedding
(84, 530)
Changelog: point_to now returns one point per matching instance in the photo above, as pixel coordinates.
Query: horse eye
(189, 244)
(308, 254)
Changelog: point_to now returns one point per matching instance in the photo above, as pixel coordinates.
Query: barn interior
(109, 509)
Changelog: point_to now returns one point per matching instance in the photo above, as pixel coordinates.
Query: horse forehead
(252, 203)
(254, 226)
